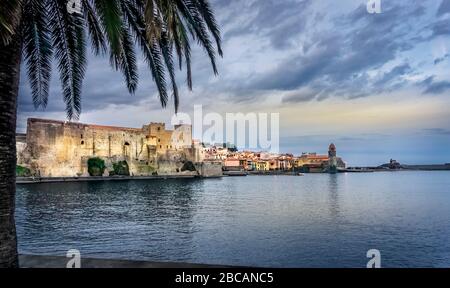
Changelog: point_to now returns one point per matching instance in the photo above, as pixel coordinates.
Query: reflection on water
(283, 221)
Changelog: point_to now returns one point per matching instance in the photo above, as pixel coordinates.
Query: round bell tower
(332, 161)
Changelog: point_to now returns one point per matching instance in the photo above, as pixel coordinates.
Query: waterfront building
(312, 162)
(200, 152)
(235, 164)
(310, 158)
(285, 162)
(216, 152)
(250, 164)
(263, 161)
(274, 164)
(262, 165)
(62, 149)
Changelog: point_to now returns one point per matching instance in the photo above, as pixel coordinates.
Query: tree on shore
(38, 31)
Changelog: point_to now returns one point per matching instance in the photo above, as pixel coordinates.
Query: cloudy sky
(375, 84)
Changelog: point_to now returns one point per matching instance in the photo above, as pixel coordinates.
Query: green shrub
(96, 166)
(188, 166)
(145, 169)
(22, 171)
(120, 168)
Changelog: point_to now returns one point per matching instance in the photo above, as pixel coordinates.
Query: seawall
(32, 180)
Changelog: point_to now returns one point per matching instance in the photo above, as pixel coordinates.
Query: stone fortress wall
(62, 149)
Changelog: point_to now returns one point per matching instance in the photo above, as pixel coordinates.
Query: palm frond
(155, 61)
(111, 18)
(154, 19)
(98, 41)
(183, 41)
(69, 45)
(37, 50)
(163, 38)
(127, 62)
(80, 57)
(205, 10)
(166, 50)
(150, 49)
(196, 26)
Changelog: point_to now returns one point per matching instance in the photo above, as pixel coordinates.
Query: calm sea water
(317, 220)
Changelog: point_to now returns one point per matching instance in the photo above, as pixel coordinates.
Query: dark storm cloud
(441, 27)
(434, 87)
(301, 70)
(279, 21)
(338, 59)
(431, 86)
(444, 8)
(441, 59)
(437, 87)
(300, 97)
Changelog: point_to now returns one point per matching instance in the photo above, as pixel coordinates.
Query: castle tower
(332, 161)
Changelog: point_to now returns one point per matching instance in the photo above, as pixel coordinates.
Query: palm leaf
(37, 49)
(166, 50)
(205, 10)
(127, 62)
(98, 41)
(183, 41)
(111, 18)
(69, 43)
(191, 15)
(150, 49)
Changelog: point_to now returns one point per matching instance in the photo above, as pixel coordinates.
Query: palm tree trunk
(10, 56)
